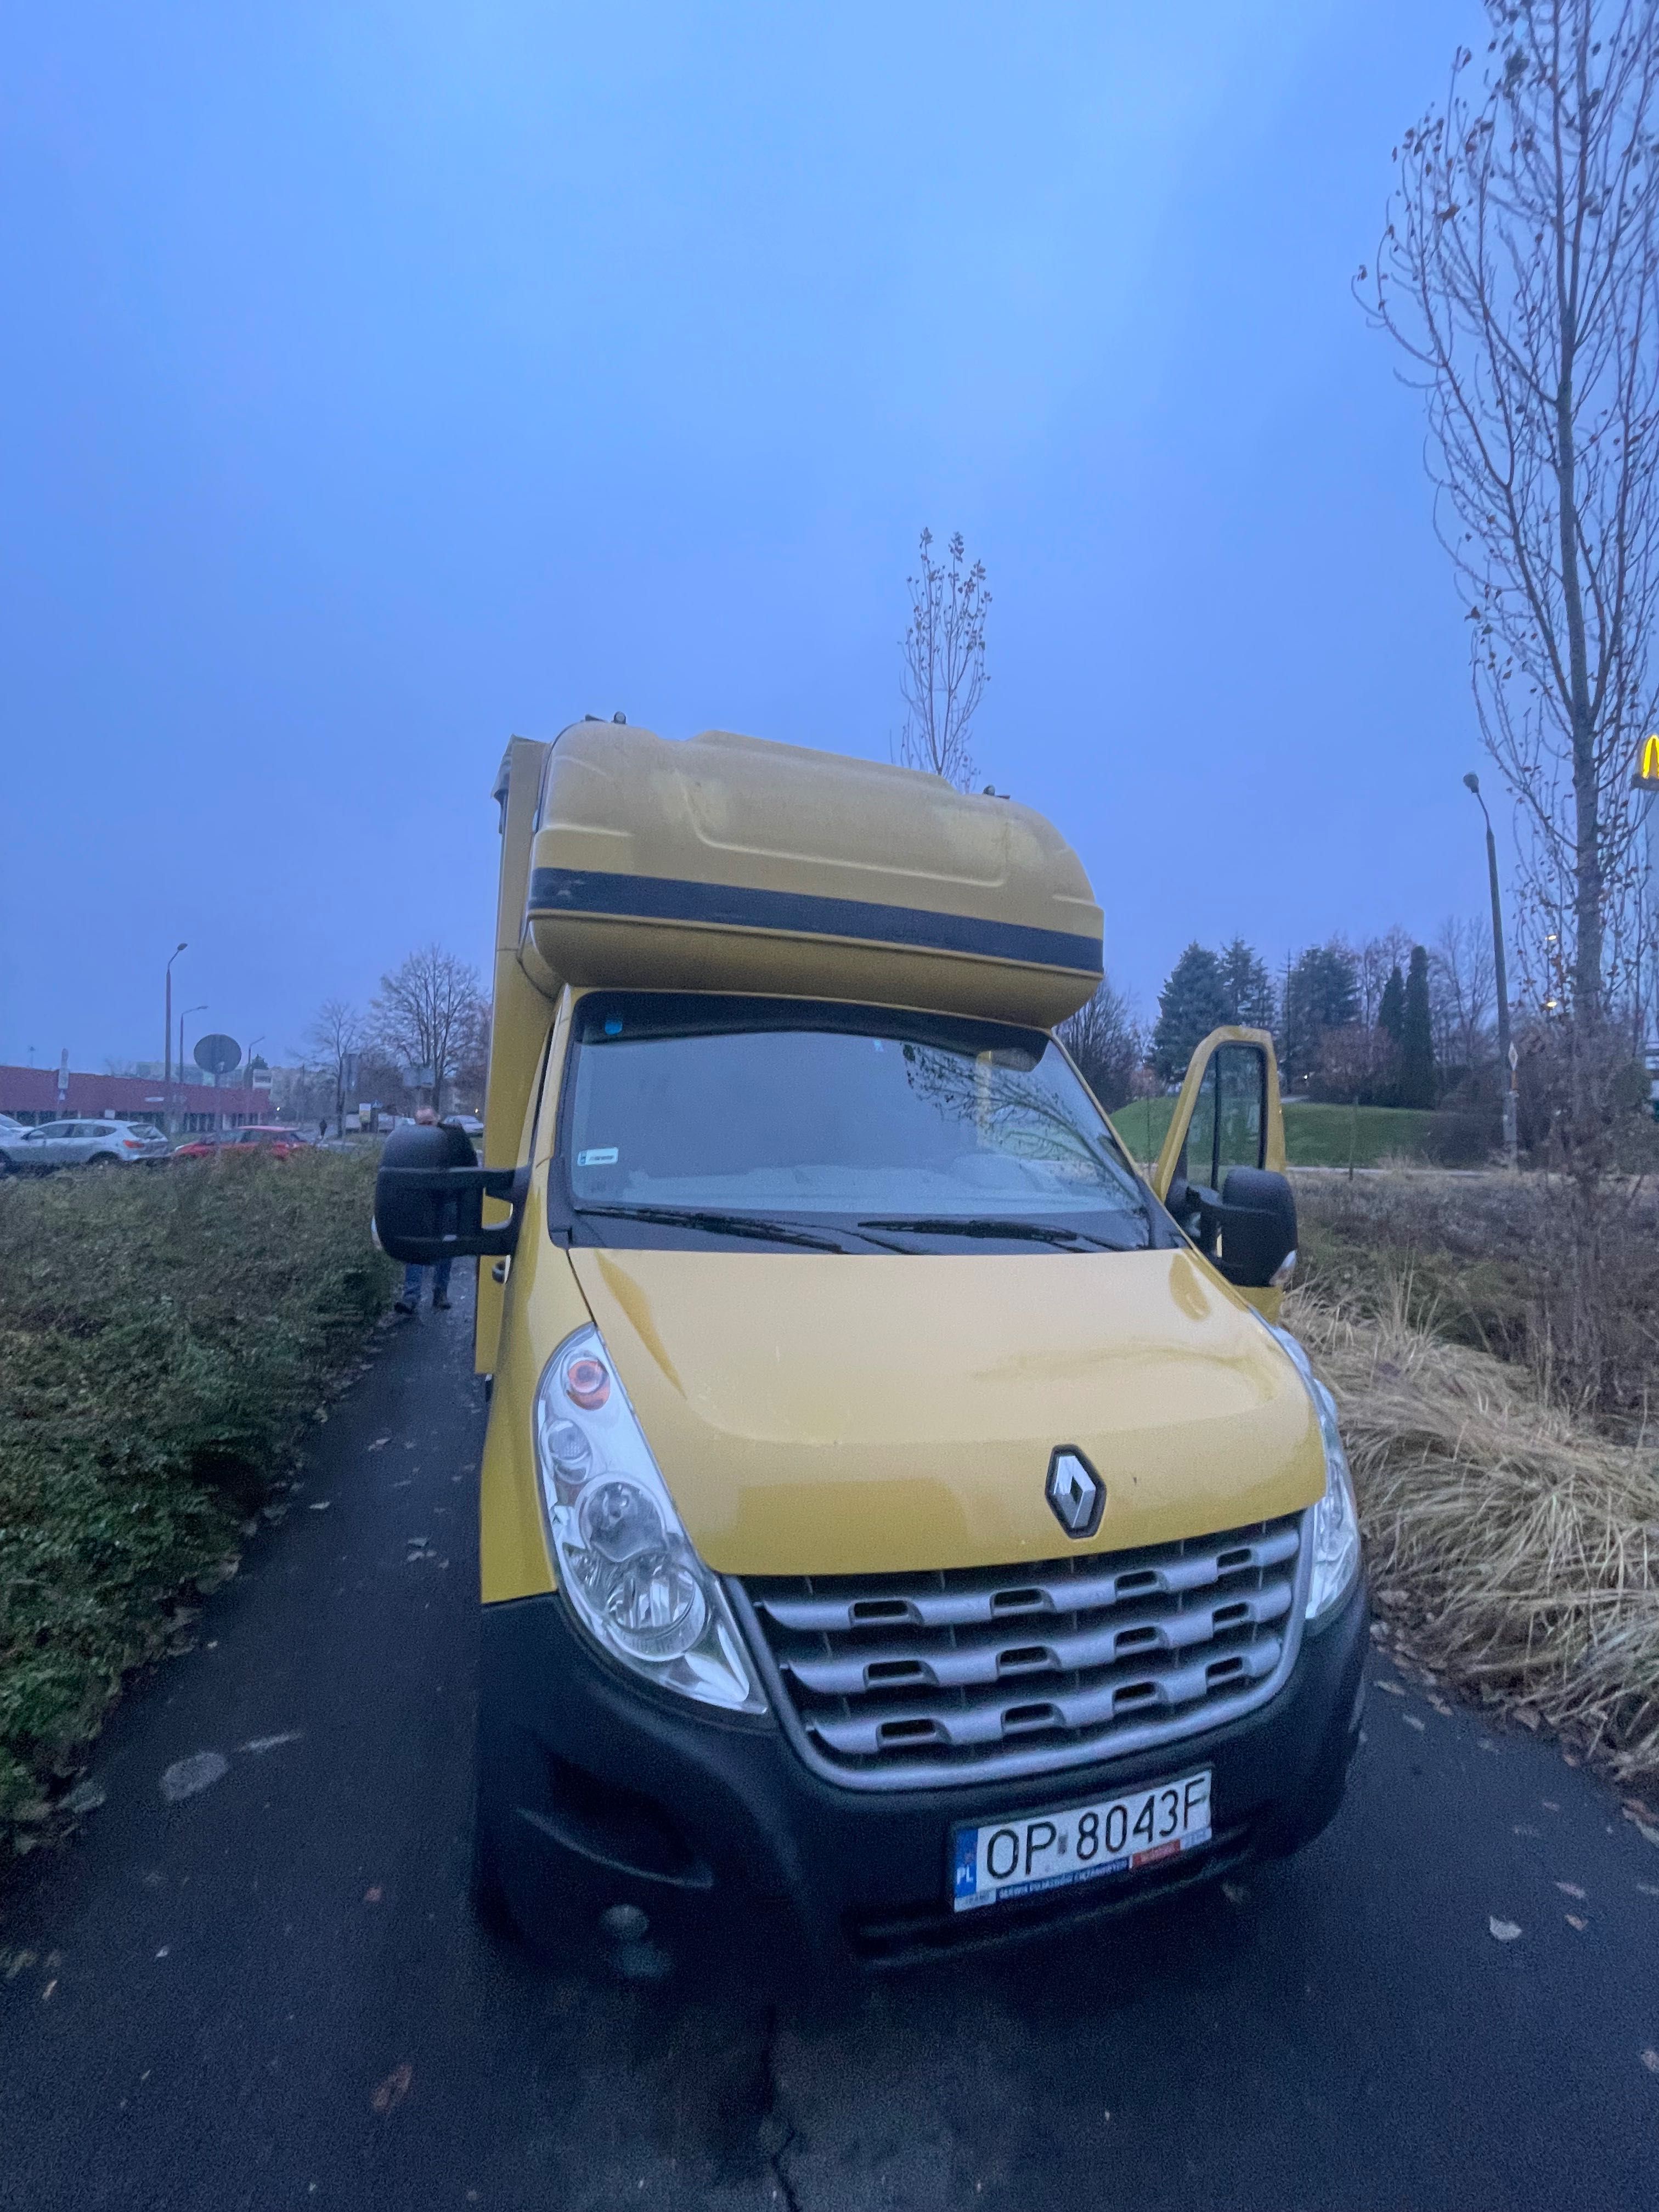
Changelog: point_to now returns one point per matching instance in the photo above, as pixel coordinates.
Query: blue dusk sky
(380, 379)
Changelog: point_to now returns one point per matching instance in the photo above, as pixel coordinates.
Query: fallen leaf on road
(1441, 1706)
(85, 1797)
(188, 1777)
(1527, 1718)
(1573, 1921)
(1647, 1888)
(1570, 1889)
(372, 1896)
(257, 1743)
(1393, 1689)
(48, 1990)
(1412, 1719)
(395, 2088)
(1234, 1892)
(1521, 1829)
(1648, 1835)
(380, 1443)
(15, 1963)
(320, 1505)
(1651, 2060)
(1504, 1930)
(1549, 1804)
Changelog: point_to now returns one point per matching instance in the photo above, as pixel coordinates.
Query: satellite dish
(217, 1055)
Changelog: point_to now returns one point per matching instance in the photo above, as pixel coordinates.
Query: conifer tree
(1247, 987)
(1191, 1004)
(1391, 1014)
(1417, 1085)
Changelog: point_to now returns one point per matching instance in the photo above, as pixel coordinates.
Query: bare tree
(1519, 273)
(1463, 1000)
(943, 678)
(1107, 1043)
(426, 1012)
(333, 1041)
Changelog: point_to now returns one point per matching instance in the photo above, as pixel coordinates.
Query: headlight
(1336, 1516)
(625, 1563)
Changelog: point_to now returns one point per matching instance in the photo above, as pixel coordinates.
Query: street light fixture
(166, 1037)
(1506, 1051)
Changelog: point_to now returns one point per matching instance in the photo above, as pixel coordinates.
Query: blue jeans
(412, 1274)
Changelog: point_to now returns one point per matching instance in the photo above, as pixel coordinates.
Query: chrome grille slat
(961, 1600)
(910, 1680)
(960, 1664)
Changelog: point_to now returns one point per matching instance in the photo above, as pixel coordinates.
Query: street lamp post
(201, 1009)
(247, 1064)
(1506, 1054)
(1646, 780)
(166, 1038)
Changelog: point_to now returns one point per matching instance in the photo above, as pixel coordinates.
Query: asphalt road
(270, 1991)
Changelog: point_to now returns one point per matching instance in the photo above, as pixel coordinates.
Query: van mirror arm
(425, 1214)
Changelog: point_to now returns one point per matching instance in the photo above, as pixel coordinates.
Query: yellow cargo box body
(728, 864)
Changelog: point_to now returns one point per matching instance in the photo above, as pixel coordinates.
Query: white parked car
(80, 1144)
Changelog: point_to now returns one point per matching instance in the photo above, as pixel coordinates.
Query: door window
(1228, 1128)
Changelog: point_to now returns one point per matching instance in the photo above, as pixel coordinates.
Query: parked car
(278, 1140)
(81, 1144)
(468, 1124)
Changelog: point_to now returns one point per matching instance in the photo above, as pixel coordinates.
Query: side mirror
(428, 1209)
(1255, 1224)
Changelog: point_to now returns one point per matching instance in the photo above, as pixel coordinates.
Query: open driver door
(1221, 1170)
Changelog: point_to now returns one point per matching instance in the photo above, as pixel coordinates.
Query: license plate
(1051, 1850)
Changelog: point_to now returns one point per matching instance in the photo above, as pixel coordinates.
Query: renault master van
(897, 1508)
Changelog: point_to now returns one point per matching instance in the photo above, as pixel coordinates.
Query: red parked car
(278, 1141)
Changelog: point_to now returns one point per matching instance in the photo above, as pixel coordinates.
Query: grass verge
(1512, 1547)
(1314, 1135)
(164, 1338)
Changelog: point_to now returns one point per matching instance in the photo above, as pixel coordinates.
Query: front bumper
(595, 1792)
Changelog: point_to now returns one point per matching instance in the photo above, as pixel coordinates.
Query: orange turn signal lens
(587, 1383)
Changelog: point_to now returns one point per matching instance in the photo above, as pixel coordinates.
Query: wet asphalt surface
(272, 1992)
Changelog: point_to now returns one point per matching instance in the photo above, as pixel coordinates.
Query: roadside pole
(1646, 780)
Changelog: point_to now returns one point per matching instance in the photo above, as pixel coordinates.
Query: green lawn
(1315, 1136)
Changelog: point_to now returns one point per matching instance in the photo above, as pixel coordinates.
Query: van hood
(839, 1414)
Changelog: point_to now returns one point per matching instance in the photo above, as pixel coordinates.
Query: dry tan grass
(1514, 1549)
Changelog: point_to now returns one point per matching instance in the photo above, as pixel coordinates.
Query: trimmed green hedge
(165, 1334)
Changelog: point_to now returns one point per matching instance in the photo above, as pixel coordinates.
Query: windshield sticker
(602, 1156)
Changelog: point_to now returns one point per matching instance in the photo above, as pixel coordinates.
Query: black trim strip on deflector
(667, 898)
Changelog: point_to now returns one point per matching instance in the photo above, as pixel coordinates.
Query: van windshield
(844, 1127)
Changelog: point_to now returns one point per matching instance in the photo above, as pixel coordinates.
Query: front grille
(894, 1681)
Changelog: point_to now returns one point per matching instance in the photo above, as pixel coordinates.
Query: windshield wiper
(1034, 1232)
(718, 1224)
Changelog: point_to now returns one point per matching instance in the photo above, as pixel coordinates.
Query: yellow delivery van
(896, 1508)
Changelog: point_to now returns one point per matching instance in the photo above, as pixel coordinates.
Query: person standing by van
(461, 1155)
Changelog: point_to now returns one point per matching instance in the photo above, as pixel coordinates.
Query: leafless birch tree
(333, 1041)
(943, 678)
(1519, 272)
(426, 1013)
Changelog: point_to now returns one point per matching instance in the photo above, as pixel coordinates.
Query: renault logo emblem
(1075, 1492)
